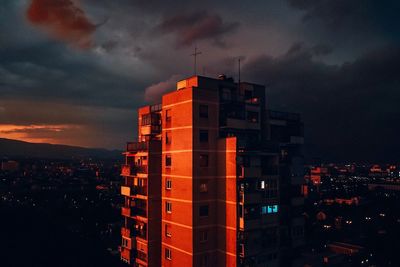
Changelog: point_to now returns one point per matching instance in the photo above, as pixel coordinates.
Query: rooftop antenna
(239, 70)
(239, 73)
(195, 54)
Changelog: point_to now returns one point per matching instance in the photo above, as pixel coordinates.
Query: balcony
(126, 254)
(244, 145)
(134, 147)
(150, 129)
(250, 197)
(126, 211)
(132, 212)
(253, 101)
(125, 232)
(244, 172)
(130, 169)
(130, 191)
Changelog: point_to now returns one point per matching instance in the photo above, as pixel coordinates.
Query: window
(168, 207)
(262, 184)
(269, 209)
(168, 115)
(203, 160)
(203, 136)
(125, 242)
(168, 161)
(264, 210)
(168, 184)
(168, 230)
(203, 211)
(248, 94)
(204, 261)
(226, 94)
(168, 254)
(272, 209)
(271, 188)
(168, 138)
(146, 119)
(203, 188)
(252, 116)
(203, 111)
(241, 210)
(203, 236)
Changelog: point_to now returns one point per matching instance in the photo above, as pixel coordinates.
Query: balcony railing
(141, 256)
(141, 168)
(131, 212)
(125, 232)
(253, 100)
(137, 146)
(255, 145)
(245, 172)
(130, 191)
(131, 169)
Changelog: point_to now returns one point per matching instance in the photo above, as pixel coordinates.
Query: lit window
(168, 161)
(203, 160)
(168, 207)
(203, 111)
(203, 211)
(168, 184)
(272, 209)
(168, 254)
(262, 184)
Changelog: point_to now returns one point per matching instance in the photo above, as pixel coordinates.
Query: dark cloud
(64, 20)
(349, 109)
(154, 92)
(348, 15)
(42, 73)
(192, 27)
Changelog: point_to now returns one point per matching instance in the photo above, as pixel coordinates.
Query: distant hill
(16, 148)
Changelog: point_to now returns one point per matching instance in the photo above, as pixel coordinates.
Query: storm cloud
(200, 25)
(63, 20)
(335, 62)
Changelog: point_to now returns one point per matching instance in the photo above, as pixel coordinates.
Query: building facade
(202, 183)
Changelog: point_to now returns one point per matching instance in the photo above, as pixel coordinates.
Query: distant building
(10, 165)
(213, 180)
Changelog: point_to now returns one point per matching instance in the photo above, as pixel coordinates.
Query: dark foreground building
(214, 179)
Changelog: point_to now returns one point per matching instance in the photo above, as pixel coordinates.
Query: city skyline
(74, 72)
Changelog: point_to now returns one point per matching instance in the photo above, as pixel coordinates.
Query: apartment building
(202, 182)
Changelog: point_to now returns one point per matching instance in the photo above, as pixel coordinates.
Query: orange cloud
(33, 133)
(63, 20)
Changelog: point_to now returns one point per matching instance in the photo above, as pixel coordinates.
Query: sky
(75, 71)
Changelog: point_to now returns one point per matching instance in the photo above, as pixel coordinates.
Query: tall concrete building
(202, 183)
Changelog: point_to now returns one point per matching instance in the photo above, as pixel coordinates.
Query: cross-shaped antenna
(195, 54)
